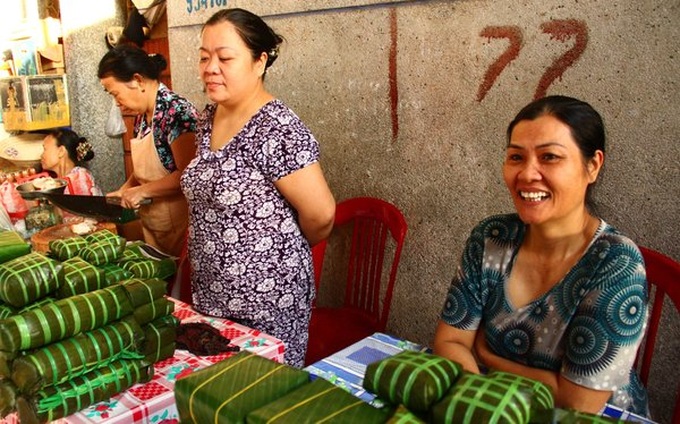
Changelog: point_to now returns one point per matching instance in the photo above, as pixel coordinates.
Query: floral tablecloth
(154, 402)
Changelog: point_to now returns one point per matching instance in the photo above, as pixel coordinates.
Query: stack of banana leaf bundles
(412, 387)
(80, 324)
(426, 388)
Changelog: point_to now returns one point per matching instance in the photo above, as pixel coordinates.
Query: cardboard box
(52, 59)
(35, 102)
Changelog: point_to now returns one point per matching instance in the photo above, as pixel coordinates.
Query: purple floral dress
(250, 261)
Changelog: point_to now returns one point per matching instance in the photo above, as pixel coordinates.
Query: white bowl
(22, 150)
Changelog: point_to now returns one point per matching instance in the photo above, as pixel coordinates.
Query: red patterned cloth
(154, 402)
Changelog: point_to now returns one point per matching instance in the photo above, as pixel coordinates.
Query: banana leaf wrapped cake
(67, 248)
(104, 251)
(8, 396)
(316, 402)
(61, 361)
(114, 273)
(476, 398)
(228, 390)
(58, 401)
(144, 261)
(64, 318)
(144, 290)
(414, 379)
(25, 279)
(159, 338)
(79, 276)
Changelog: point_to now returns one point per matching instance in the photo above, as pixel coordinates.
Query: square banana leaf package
(229, 390)
(319, 401)
(416, 380)
(492, 398)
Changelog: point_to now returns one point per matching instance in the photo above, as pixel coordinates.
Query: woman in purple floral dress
(257, 195)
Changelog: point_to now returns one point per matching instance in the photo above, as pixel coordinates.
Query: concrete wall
(84, 25)
(410, 101)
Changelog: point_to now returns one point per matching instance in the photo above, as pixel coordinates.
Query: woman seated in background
(63, 151)
(552, 292)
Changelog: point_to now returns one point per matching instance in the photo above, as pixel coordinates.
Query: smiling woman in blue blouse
(551, 292)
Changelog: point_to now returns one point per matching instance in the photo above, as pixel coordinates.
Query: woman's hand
(131, 198)
(481, 350)
(456, 345)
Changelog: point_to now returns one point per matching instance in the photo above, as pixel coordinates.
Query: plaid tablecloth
(154, 402)
(347, 368)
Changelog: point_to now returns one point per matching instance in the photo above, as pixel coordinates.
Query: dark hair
(255, 33)
(125, 60)
(78, 148)
(584, 122)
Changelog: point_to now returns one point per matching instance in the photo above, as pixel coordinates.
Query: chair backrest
(372, 220)
(663, 277)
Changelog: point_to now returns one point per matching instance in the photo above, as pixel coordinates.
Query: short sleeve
(603, 337)
(288, 146)
(463, 305)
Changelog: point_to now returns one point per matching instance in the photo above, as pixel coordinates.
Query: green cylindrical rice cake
(101, 235)
(8, 395)
(6, 359)
(78, 355)
(114, 273)
(67, 248)
(80, 276)
(476, 398)
(158, 334)
(165, 352)
(414, 379)
(160, 307)
(7, 311)
(64, 318)
(28, 278)
(104, 251)
(150, 268)
(144, 290)
(59, 401)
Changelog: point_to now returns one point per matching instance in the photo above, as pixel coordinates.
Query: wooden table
(154, 402)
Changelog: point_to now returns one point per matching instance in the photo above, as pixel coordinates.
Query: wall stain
(394, 87)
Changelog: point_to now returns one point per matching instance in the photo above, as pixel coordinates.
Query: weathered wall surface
(410, 101)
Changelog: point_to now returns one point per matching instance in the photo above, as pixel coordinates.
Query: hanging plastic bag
(12, 201)
(115, 126)
(5, 221)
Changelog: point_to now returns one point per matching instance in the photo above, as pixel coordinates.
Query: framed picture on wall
(25, 57)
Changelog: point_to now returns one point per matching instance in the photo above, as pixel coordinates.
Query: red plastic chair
(368, 297)
(663, 277)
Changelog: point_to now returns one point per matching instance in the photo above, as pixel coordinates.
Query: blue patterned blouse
(587, 327)
(172, 116)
